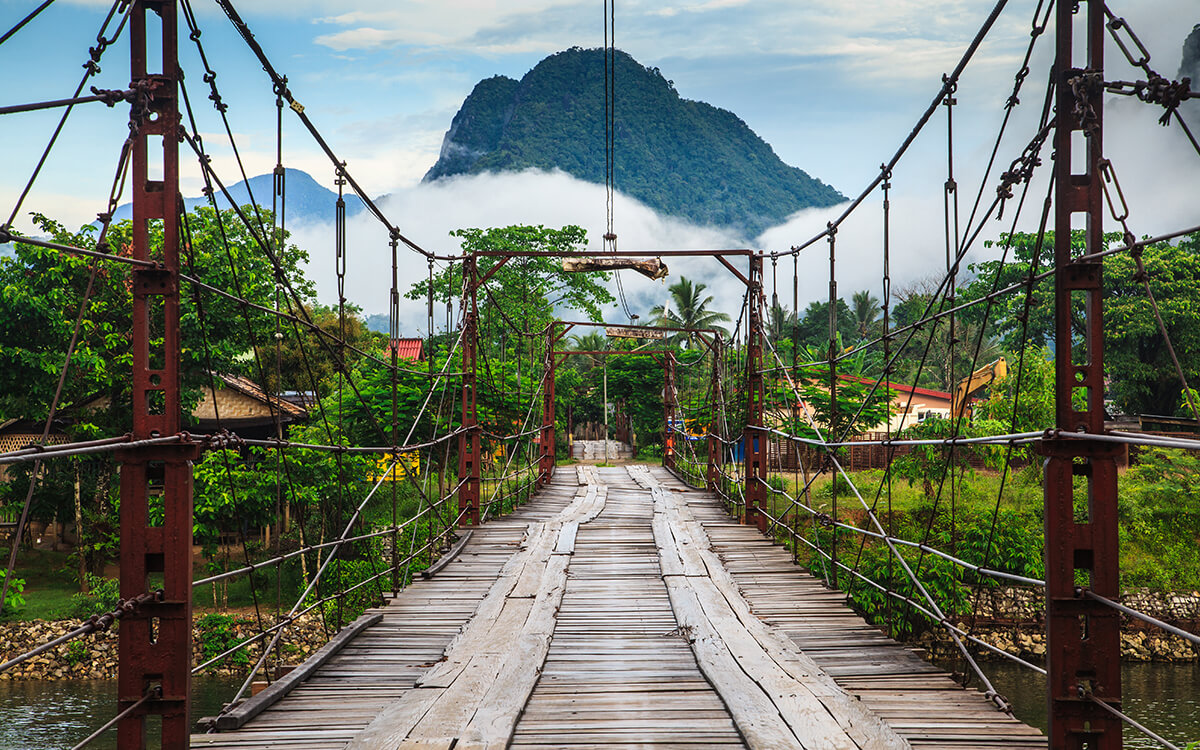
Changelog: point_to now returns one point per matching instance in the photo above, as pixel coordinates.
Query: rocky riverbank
(94, 656)
(1012, 620)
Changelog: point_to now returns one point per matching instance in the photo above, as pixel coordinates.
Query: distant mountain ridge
(1189, 64)
(681, 157)
(307, 201)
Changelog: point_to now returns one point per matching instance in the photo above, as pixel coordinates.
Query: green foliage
(688, 309)
(103, 595)
(1142, 377)
(217, 635)
(1159, 509)
(76, 653)
(40, 293)
(859, 405)
(524, 291)
(342, 575)
(307, 362)
(681, 157)
(1010, 541)
(814, 326)
(13, 600)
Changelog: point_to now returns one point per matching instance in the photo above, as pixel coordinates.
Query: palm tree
(690, 310)
(782, 323)
(866, 313)
(593, 341)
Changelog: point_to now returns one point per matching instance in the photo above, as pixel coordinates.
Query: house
(242, 406)
(910, 404)
(412, 349)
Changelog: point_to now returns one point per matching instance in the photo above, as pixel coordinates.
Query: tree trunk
(80, 552)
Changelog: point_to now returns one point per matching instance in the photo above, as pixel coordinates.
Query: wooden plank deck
(379, 666)
(620, 670)
(918, 700)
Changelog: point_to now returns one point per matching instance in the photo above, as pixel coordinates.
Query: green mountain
(684, 158)
(1189, 66)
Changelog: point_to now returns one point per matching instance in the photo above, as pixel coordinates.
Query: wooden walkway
(620, 609)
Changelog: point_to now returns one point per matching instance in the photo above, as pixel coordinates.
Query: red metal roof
(408, 349)
(895, 386)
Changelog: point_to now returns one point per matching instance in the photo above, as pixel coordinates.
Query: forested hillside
(684, 158)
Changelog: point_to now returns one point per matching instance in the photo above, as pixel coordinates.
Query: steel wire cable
(280, 85)
(114, 196)
(91, 68)
(24, 21)
(950, 80)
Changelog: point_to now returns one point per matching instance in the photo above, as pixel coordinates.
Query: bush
(103, 595)
(342, 575)
(218, 635)
(76, 653)
(13, 600)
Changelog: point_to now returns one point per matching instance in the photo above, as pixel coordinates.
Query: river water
(38, 715)
(54, 715)
(1163, 697)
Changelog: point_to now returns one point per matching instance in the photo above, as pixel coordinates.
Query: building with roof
(411, 349)
(910, 404)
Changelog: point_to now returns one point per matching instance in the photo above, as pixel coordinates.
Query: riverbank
(1011, 621)
(94, 656)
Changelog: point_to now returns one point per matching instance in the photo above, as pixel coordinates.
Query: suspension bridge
(521, 602)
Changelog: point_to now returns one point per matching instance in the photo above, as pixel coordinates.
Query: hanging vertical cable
(610, 140)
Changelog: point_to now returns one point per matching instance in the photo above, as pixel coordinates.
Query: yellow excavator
(969, 386)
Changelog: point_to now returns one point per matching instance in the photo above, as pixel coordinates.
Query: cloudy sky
(833, 85)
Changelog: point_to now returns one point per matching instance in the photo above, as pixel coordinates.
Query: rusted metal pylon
(155, 647)
(1083, 636)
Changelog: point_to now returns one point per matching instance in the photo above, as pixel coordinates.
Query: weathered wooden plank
(818, 713)
(276, 691)
(449, 557)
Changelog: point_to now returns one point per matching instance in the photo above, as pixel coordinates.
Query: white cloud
(426, 213)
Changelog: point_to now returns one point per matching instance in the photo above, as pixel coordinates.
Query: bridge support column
(753, 437)
(469, 457)
(547, 455)
(715, 449)
(1083, 636)
(155, 644)
(669, 411)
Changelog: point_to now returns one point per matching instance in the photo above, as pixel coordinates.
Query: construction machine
(976, 382)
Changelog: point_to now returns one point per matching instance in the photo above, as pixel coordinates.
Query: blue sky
(833, 85)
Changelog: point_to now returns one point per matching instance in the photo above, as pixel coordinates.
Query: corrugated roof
(408, 349)
(895, 386)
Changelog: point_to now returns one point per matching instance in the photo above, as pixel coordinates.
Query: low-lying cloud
(1158, 171)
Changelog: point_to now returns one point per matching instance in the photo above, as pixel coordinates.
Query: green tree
(859, 406)
(867, 313)
(523, 292)
(308, 361)
(42, 292)
(1143, 377)
(688, 307)
(814, 324)
(1138, 364)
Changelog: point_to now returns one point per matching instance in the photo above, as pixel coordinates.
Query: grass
(1160, 539)
(49, 584)
(977, 492)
